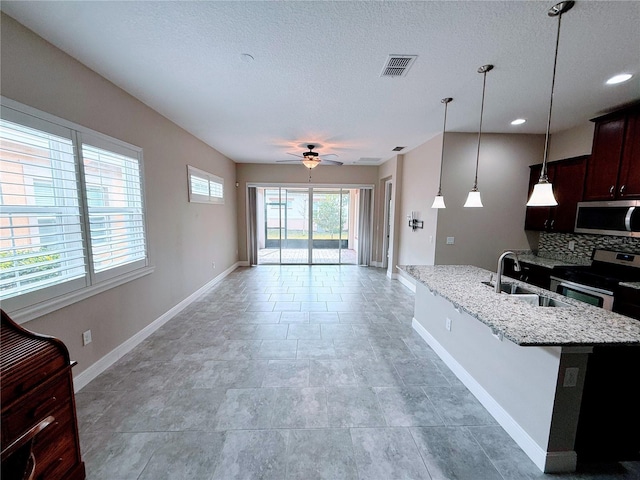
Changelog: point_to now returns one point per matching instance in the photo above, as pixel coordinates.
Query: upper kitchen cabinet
(567, 177)
(613, 171)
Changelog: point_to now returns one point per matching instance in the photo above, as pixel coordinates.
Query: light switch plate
(451, 240)
(86, 338)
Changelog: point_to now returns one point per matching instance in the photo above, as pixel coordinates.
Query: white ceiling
(316, 74)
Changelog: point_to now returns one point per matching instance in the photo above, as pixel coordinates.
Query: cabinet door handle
(552, 222)
(622, 189)
(611, 189)
(545, 223)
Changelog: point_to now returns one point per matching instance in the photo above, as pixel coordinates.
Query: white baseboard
(84, 377)
(407, 282)
(548, 462)
(392, 276)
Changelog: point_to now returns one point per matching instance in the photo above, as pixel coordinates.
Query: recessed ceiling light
(518, 121)
(623, 77)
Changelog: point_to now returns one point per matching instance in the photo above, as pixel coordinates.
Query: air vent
(398, 149)
(398, 65)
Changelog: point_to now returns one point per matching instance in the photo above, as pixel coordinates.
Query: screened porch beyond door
(303, 225)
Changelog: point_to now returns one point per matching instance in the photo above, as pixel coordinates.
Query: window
(71, 208)
(204, 187)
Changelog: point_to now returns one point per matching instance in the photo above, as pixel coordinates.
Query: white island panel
(520, 386)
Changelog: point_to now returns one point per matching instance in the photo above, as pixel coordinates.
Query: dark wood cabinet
(627, 302)
(609, 419)
(613, 170)
(37, 389)
(567, 177)
(629, 176)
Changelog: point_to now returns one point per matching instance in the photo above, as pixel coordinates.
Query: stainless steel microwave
(621, 218)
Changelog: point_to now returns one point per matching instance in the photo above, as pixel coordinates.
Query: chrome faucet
(501, 267)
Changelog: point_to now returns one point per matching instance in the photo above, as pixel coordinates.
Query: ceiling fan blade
(332, 155)
(330, 162)
(295, 155)
(288, 161)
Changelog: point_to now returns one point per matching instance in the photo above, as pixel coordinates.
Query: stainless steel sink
(510, 288)
(542, 300)
(528, 296)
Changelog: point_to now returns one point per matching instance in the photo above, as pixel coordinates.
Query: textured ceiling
(315, 76)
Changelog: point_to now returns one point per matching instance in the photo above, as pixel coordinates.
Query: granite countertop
(578, 325)
(543, 261)
(635, 285)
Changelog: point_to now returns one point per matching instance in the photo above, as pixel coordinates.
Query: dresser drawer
(38, 370)
(35, 406)
(56, 450)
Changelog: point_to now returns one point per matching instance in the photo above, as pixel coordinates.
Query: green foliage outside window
(35, 261)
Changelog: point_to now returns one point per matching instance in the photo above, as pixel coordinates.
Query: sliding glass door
(307, 225)
(331, 226)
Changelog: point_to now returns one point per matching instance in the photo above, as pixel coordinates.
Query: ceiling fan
(311, 159)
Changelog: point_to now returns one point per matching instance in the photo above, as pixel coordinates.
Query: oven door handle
(580, 288)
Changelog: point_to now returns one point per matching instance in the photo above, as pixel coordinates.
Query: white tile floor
(296, 372)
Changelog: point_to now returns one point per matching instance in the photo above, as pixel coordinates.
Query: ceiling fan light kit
(311, 159)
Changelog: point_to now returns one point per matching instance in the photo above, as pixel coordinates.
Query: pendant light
(438, 202)
(542, 195)
(473, 199)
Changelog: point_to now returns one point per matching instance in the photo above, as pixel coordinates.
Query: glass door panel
(327, 229)
(348, 228)
(270, 235)
(295, 222)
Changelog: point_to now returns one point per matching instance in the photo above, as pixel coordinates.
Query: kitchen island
(526, 364)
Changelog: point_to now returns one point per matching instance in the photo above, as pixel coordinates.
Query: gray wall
(481, 234)
(184, 238)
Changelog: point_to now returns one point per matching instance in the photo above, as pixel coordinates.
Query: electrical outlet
(451, 240)
(447, 324)
(572, 245)
(213, 264)
(571, 377)
(86, 338)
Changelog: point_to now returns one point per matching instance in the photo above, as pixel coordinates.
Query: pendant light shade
(542, 195)
(473, 199)
(438, 202)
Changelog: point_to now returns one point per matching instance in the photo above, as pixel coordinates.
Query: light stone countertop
(578, 325)
(635, 285)
(543, 261)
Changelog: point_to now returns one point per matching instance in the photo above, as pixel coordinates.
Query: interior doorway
(307, 225)
(388, 220)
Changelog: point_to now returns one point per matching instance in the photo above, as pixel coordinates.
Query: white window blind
(204, 187)
(71, 211)
(40, 220)
(114, 204)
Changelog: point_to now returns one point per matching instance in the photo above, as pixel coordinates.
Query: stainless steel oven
(592, 295)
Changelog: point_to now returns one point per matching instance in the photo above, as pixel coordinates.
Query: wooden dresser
(36, 382)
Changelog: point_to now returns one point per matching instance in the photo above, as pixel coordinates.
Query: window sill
(32, 312)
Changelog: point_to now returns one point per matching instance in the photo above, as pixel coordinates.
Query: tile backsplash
(556, 246)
